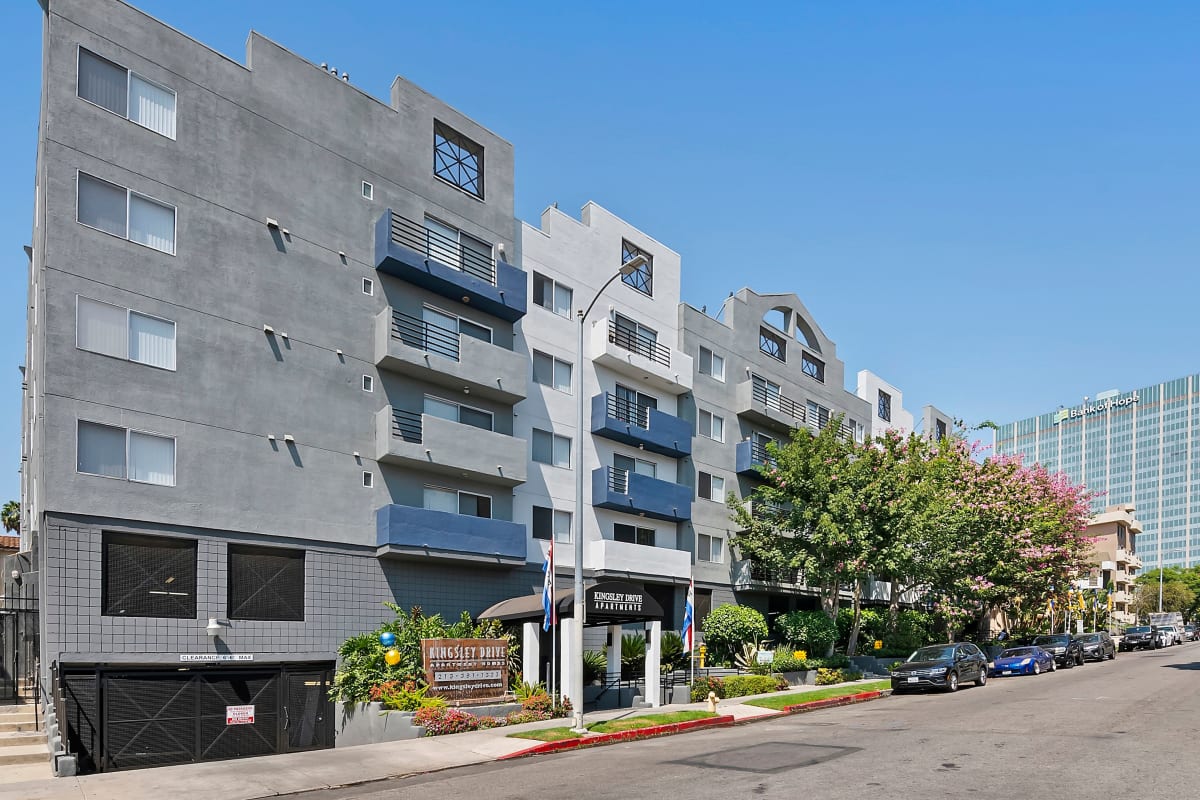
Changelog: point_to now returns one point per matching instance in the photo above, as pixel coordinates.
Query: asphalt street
(1125, 727)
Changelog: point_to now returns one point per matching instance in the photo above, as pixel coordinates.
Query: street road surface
(1128, 727)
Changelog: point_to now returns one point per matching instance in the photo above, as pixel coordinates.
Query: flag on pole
(551, 613)
(689, 622)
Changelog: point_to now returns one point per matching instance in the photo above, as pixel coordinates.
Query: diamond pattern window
(772, 344)
(813, 367)
(457, 159)
(266, 583)
(884, 407)
(642, 278)
(148, 576)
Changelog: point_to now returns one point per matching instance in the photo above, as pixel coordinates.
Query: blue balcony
(620, 490)
(411, 532)
(426, 258)
(749, 456)
(641, 426)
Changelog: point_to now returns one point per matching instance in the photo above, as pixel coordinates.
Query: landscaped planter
(368, 723)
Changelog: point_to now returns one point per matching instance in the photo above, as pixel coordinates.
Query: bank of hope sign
(466, 669)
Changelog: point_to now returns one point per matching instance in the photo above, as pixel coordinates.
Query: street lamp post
(576, 688)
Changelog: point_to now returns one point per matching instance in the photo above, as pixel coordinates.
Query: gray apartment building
(764, 367)
(291, 356)
(270, 379)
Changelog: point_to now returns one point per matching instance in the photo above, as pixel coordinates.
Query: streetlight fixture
(576, 688)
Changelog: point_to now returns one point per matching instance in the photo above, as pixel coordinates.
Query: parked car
(941, 666)
(1139, 637)
(1170, 635)
(1022, 661)
(1189, 633)
(1066, 651)
(1097, 646)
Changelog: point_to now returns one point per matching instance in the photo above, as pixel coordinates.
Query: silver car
(1169, 635)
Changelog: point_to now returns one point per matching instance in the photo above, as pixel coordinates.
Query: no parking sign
(239, 715)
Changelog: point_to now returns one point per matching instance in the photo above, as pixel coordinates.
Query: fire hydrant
(712, 702)
(703, 653)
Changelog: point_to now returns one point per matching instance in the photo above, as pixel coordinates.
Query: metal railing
(406, 425)
(628, 410)
(636, 343)
(765, 573)
(618, 480)
(425, 335)
(777, 401)
(759, 454)
(438, 246)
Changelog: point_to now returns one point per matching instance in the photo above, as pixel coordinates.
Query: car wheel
(1037, 668)
(982, 679)
(1053, 665)
(1079, 660)
(952, 682)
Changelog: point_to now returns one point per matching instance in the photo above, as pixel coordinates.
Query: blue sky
(993, 206)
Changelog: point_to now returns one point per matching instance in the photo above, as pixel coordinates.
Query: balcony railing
(406, 425)
(630, 340)
(618, 480)
(764, 573)
(425, 335)
(774, 400)
(628, 411)
(759, 454)
(442, 248)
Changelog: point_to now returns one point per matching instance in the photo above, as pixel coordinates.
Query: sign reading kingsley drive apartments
(466, 669)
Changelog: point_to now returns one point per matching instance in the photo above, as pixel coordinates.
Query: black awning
(529, 607)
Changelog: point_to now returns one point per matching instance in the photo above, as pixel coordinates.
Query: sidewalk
(267, 776)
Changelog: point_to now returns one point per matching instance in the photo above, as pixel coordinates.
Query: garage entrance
(125, 718)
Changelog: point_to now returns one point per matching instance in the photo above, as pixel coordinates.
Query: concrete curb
(621, 736)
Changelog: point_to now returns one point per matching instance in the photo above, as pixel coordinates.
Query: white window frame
(458, 493)
(716, 544)
(555, 516)
(128, 313)
(459, 318)
(174, 453)
(554, 439)
(368, 287)
(554, 284)
(368, 479)
(555, 361)
(636, 528)
(708, 434)
(712, 480)
(128, 74)
(129, 193)
(368, 190)
(713, 357)
(461, 406)
(368, 384)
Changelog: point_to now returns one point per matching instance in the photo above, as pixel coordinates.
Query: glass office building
(1134, 447)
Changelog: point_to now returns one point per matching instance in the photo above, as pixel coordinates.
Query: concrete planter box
(805, 677)
(368, 723)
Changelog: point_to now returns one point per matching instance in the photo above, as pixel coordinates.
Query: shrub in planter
(812, 630)
(787, 662)
(407, 696)
(441, 721)
(595, 665)
(836, 661)
(729, 626)
(742, 685)
(633, 656)
(521, 717)
(827, 676)
(703, 686)
(671, 655)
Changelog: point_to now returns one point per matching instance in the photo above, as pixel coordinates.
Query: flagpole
(553, 630)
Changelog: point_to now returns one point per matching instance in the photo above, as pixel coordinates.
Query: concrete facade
(884, 398)
(280, 376)
(936, 424)
(759, 397)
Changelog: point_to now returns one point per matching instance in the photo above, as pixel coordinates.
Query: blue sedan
(1022, 661)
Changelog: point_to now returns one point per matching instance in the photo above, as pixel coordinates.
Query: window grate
(641, 278)
(457, 159)
(148, 576)
(266, 583)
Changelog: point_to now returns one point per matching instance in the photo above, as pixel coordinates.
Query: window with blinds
(121, 212)
(126, 94)
(115, 452)
(123, 333)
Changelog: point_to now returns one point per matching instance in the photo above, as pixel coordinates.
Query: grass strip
(613, 725)
(780, 701)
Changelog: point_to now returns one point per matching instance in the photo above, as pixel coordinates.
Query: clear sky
(993, 206)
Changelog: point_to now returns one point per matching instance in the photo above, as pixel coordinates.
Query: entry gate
(130, 718)
(18, 649)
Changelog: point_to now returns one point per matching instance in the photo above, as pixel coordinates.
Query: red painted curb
(832, 702)
(621, 736)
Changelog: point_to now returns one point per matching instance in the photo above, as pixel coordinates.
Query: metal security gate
(131, 718)
(18, 649)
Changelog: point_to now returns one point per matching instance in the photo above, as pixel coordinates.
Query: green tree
(10, 516)
(1177, 592)
(730, 626)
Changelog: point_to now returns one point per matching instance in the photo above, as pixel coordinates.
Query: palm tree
(10, 516)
